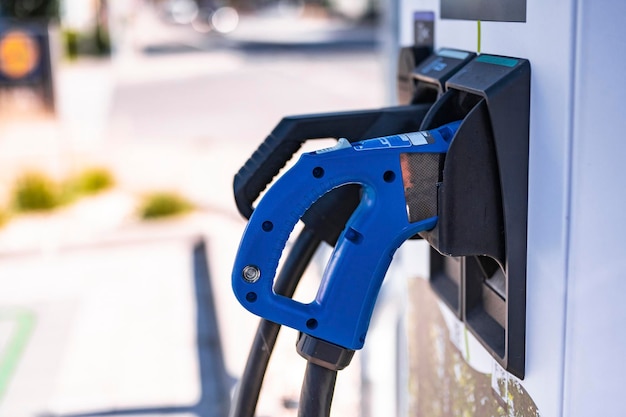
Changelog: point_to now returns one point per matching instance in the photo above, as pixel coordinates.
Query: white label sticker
(416, 138)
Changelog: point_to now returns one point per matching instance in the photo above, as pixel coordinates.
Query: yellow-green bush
(4, 217)
(34, 191)
(163, 204)
(93, 180)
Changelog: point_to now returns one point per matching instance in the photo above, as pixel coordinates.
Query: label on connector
(403, 140)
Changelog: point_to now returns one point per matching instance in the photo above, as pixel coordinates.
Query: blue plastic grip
(342, 309)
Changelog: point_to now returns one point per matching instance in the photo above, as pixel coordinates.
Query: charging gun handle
(292, 131)
(343, 306)
(376, 229)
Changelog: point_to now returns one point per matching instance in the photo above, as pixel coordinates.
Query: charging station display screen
(488, 10)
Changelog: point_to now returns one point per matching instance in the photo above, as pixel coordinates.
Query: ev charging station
(574, 227)
(499, 174)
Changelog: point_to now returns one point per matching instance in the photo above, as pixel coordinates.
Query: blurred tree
(29, 9)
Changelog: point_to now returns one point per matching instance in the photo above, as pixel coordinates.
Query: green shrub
(163, 204)
(34, 191)
(92, 181)
(70, 43)
(4, 217)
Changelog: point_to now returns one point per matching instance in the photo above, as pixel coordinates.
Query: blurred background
(122, 124)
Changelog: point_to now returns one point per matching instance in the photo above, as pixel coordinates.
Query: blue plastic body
(342, 309)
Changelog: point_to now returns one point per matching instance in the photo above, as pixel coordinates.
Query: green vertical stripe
(479, 38)
(467, 351)
(9, 358)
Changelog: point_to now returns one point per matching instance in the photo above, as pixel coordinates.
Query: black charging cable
(324, 360)
(317, 391)
(297, 260)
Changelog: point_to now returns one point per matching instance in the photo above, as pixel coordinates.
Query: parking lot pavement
(108, 327)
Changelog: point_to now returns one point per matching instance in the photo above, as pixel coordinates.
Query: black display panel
(488, 10)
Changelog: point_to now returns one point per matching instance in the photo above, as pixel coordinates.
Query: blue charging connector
(342, 309)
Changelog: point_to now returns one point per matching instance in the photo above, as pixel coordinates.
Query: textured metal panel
(420, 173)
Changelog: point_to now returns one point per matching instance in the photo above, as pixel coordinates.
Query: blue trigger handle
(342, 309)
